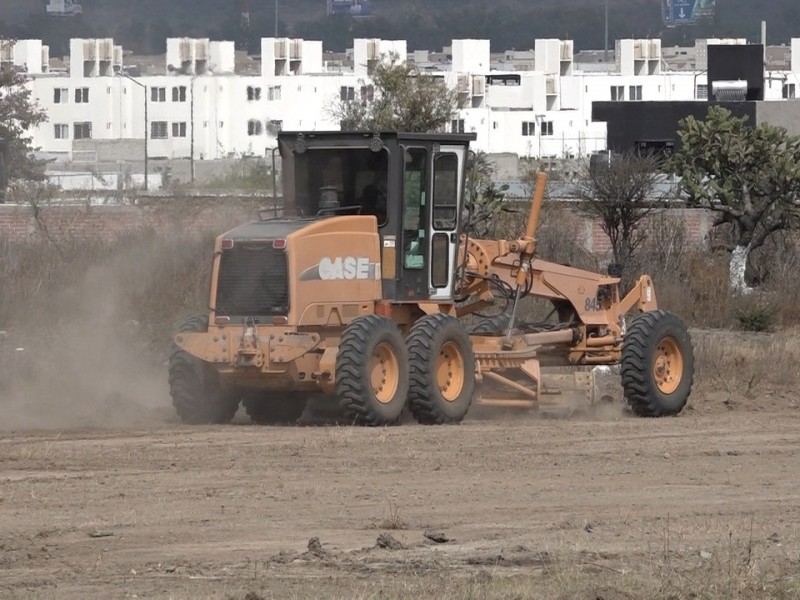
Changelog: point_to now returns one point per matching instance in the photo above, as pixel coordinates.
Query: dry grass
(745, 365)
(737, 567)
(392, 520)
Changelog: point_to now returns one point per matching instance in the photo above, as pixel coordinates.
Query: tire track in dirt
(213, 502)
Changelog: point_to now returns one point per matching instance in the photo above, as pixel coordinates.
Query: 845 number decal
(592, 305)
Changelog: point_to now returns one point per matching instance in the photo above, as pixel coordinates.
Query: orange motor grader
(357, 289)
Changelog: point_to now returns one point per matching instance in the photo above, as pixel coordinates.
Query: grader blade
(560, 391)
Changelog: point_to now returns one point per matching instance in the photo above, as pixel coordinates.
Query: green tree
(748, 176)
(397, 98)
(620, 194)
(18, 115)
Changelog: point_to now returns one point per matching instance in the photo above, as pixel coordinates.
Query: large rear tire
(199, 395)
(442, 370)
(372, 372)
(274, 408)
(657, 365)
(494, 325)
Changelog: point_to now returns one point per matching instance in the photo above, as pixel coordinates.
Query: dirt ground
(706, 504)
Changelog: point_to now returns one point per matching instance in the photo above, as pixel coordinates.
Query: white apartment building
(200, 106)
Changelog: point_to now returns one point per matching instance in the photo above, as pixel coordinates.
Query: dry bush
(561, 238)
(746, 365)
(775, 268)
(142, 277)
(392, 520)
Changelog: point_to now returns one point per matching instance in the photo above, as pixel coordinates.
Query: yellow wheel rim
(668, 366)
(384, 373)
(450, 371)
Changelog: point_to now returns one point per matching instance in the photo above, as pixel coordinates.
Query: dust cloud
(80, 358)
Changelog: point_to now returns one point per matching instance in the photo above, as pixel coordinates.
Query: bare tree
(620, 193)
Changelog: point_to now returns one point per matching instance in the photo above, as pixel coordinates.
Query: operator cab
(411, 183)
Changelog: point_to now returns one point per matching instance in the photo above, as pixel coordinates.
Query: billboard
(63, 8)
(687, 12)
(355, 8)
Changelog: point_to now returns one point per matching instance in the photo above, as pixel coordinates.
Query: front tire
(442, 370)
(372, 372)
(199, 395)
(657, 365)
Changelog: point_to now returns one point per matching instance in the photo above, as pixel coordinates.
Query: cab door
(446, 204)
(414, 250)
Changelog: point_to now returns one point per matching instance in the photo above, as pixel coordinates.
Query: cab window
(445, 192)
(414, 201)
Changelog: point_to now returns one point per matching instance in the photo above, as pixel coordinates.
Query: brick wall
(697, 223)
(18, 222)
(81, 222)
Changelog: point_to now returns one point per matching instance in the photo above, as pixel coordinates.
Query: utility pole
(605, 52)
(3, 171)
(246, 24)
(146, 131)
(191, 140)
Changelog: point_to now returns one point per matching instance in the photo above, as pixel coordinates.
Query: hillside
(426, 24)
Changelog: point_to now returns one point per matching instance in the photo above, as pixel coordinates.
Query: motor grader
(361, 285)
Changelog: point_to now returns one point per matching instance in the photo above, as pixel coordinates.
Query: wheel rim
(668, 366)
(384, 373)
(450, 371)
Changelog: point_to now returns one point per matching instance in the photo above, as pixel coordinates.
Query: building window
(60, 96)
(82, 131)
(367, 93)
(701, 93)
(179, 93)
(617, 93)
(635, 92)
(547, 128)
(457, 126)
(275, 127)
(253, 93)
(347, 94)
(274, 93)
(254, 127)
(81, 95)
(179, 130)
(158, 129)
(528, 128)
(61, 131)
(158, 94)
(789, 91)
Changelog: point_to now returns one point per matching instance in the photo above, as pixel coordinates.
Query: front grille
(252, 281)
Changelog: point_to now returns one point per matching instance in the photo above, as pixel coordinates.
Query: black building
(736, 81)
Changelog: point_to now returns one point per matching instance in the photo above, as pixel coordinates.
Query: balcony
(551, 85)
